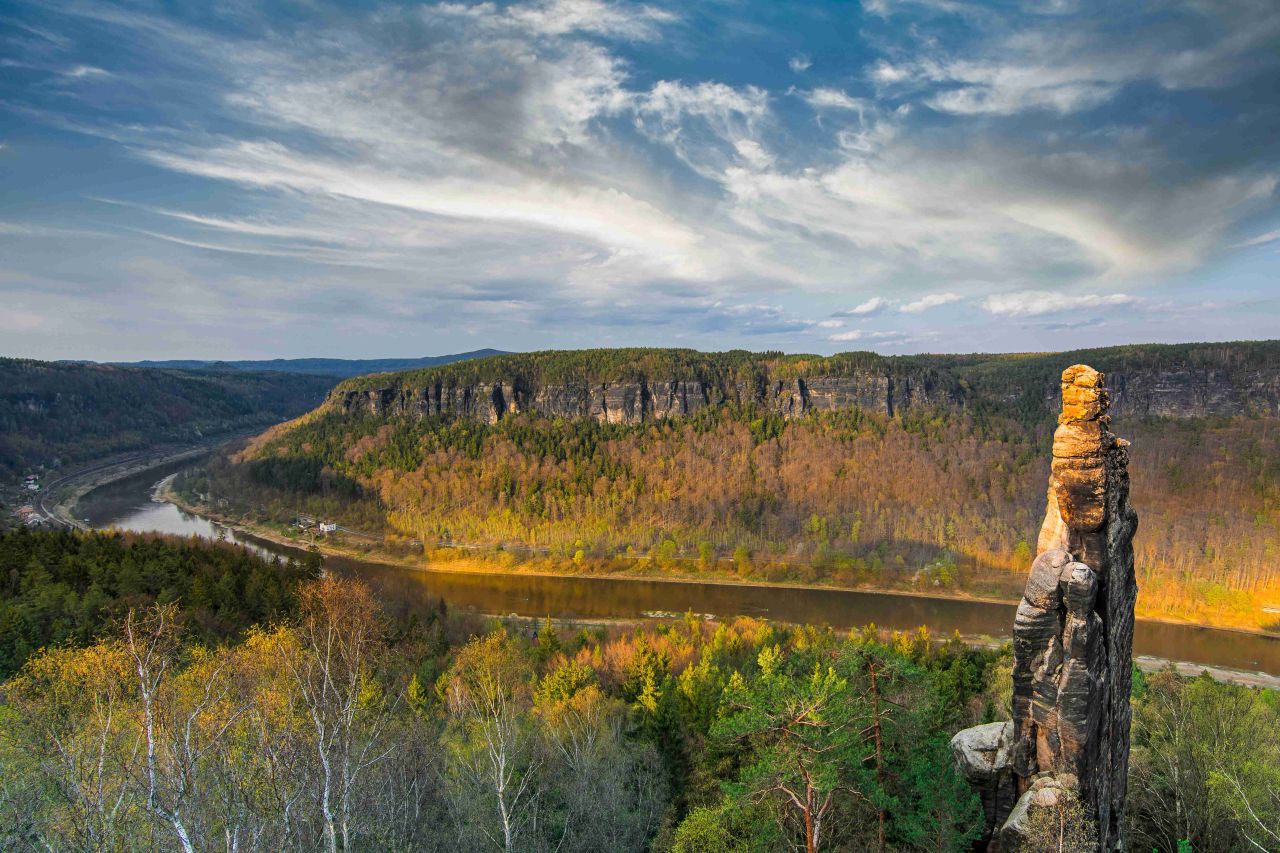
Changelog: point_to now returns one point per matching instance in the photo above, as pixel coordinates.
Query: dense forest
(970, 378)
(335, 724)
(935, 497)
(63, 587)
(53, 412)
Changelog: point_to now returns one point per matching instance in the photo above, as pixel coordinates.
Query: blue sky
(219, 180)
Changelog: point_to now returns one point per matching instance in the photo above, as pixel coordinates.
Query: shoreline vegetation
(472, 560)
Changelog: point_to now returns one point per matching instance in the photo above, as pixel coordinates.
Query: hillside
(922, 472)
(60, 413)
(334, 367)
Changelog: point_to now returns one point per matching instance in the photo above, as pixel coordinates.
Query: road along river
(129, 505)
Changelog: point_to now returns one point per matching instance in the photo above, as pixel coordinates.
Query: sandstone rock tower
(1073, 639)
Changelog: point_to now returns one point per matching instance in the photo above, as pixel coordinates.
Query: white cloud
(80, 71)
(932, 300)
(553, 18)
(829, 324)
(874, 305)
(834, 99)
(1261, 239)
(851, 335)
(1033, 303)
(672, 100)
(880, 338)
(799, 62)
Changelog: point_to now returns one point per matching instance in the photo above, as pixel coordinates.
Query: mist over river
(129, 505)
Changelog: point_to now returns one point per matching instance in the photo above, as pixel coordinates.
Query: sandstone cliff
(631, 386)
(643, 399)
(1073, 639)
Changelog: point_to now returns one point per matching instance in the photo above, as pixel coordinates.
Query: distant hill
(72, 412)
(340, 368)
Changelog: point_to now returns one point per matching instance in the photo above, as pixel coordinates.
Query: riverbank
(469, 563)
(407, 583)
(58, 500)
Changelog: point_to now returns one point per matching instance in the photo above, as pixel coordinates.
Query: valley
(856, 471)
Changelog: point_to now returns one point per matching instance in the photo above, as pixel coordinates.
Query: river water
(129, 505)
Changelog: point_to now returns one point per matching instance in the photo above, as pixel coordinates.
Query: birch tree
(339, 636)
(490, 737)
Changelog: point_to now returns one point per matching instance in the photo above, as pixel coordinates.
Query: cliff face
(631, 386)
(1191, 392)
(629, 402)
(1073, 639)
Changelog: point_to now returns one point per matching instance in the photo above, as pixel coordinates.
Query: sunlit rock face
(1073, 633)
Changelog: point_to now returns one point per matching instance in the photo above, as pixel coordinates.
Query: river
(129, 505)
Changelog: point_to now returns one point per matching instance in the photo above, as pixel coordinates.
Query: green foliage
(63, 587)
(72, 412)
(1205, 765)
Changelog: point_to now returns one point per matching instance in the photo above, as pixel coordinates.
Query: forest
(934, 498)
(60, 587)
(59, 412)
(336, 723)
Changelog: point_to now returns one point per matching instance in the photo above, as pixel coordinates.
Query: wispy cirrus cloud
(1033, 303)
(1260, 240)
(554, 158)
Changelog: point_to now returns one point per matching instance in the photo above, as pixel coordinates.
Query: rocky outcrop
(641, 400)
(982, 755)
(633, 386)
(1073, 633)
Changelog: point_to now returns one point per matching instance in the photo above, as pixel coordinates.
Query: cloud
(851, 335)
(552, 18)
(1033, 303)
(870, 307)
(878, 338)
(1261, 239)
(81, 71)
(533, 157)
(834, 99)
(932, 300)
(15, 319)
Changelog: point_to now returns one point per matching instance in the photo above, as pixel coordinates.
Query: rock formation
(635, 401)
(1194, 381)
(1073, 638)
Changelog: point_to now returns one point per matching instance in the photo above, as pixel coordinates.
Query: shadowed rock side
(1073, 639)
(643, 400)
(633, 386)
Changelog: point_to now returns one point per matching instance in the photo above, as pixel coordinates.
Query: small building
(28, 516)
(328, 526)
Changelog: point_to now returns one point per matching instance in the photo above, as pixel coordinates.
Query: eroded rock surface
(649, 398)
(982, 756)
(1073, 633)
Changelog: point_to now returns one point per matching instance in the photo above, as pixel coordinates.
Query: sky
(247, 180)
